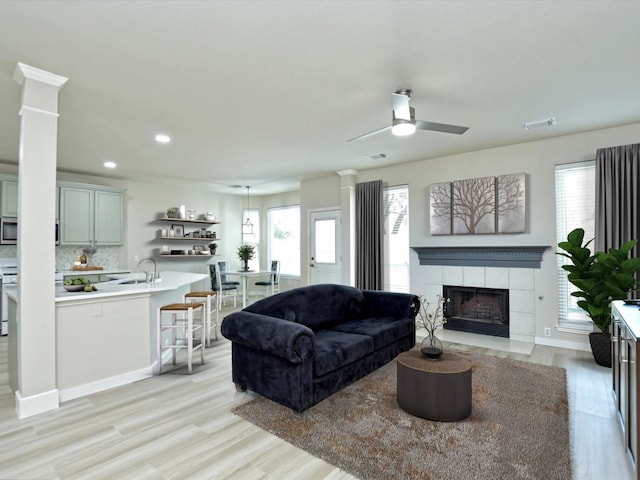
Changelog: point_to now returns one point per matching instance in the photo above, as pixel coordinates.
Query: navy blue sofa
(300, 346)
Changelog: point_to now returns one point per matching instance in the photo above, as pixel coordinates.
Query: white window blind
(575, 207)
(284, 238)
(396, 238)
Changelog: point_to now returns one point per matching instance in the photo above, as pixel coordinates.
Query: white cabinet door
(9, 198)
(76, 216)
(109, 222)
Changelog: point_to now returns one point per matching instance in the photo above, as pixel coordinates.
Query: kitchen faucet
(150, 277)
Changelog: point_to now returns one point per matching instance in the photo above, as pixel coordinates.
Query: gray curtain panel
(369, 235)
(617, 196)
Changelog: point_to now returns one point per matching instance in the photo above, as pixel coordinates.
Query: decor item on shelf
(431, 346)
(247, 227)
(246, 253)
(182, 212)
(209, 217)
(178, 230)
(172, 212)
(192, 214)
(601, 278)
(213, 247)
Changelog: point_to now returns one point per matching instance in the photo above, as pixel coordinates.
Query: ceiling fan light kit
(402, 128)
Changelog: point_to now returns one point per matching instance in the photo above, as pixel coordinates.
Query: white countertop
(631, 315)
(169, 281)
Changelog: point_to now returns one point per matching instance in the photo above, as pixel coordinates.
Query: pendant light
(247, 227)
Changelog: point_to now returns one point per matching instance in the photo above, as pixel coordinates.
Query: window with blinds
(396, 239)
(575, 207)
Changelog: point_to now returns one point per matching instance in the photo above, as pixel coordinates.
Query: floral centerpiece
(431, 319)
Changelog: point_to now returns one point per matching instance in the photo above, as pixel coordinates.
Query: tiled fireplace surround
(488, 270)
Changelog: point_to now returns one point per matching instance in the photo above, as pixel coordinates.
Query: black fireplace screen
(477, 310)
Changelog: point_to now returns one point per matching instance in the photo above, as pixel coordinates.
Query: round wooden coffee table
(434, 389)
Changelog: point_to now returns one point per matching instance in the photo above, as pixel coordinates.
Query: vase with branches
(431, 318)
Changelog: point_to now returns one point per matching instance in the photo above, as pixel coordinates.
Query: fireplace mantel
(507, 256)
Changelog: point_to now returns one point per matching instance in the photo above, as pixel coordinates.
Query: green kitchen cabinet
(9, 189)
(91, 216)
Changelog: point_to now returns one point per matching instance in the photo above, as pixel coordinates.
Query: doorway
(325, 262)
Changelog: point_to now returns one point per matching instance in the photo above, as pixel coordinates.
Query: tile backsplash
(107, 257)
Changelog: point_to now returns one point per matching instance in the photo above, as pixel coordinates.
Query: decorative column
(348, 206)
(36, 334)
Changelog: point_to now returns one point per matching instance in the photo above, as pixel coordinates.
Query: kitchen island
(105, 338)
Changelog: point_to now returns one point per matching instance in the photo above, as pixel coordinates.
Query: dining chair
(222, 290)
(223, 265)
(273, 282)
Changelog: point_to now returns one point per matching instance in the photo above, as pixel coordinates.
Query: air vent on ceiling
(545, 122)
(376, 156)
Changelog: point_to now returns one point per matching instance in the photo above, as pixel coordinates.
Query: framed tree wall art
(474, 205)
(511, 203)
(440, 208)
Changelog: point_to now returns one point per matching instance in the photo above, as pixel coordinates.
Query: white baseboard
(104, 384)
(35, 404)
(552, 342)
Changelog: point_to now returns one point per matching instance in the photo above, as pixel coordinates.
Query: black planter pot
(601, 348)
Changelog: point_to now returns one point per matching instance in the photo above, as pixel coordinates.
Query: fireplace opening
(477, 310)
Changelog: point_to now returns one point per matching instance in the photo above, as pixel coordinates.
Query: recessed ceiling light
(110, 164)
(162, 138)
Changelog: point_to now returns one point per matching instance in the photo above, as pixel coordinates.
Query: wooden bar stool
(182, 331)
(210, 306)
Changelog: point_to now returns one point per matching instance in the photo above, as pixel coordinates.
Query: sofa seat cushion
(335, 349)
(384, 331)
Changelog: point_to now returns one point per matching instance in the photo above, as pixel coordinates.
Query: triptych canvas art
(478, 205)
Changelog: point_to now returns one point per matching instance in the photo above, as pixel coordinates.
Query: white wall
(537, 159)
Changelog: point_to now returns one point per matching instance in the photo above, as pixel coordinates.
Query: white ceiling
(266, 93)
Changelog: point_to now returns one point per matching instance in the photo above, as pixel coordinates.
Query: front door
(325, 263)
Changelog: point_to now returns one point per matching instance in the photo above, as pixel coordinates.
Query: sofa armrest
(391, 304)
(282, 338)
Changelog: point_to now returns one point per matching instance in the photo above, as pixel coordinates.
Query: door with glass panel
(325, 263)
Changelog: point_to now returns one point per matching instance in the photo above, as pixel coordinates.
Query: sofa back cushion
(316, 306)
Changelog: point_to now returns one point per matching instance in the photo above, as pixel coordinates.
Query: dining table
(245, 275)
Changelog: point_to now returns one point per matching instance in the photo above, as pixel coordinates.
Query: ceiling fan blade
(370, 133)
(441, 127)
(400, 103)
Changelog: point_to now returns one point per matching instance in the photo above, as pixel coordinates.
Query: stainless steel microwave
(8, 231)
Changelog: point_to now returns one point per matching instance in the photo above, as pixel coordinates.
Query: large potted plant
(600, 278)
(246, 253)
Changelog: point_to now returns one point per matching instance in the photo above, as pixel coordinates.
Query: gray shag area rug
(518, 427)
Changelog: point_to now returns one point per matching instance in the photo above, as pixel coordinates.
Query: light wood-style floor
(179, 426)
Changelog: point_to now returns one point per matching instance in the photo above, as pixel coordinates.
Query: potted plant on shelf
(601, 278)
(246, 253)
(172, 212)
(213, 247)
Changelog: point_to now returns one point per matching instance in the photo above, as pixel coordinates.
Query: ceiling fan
(403, 120)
